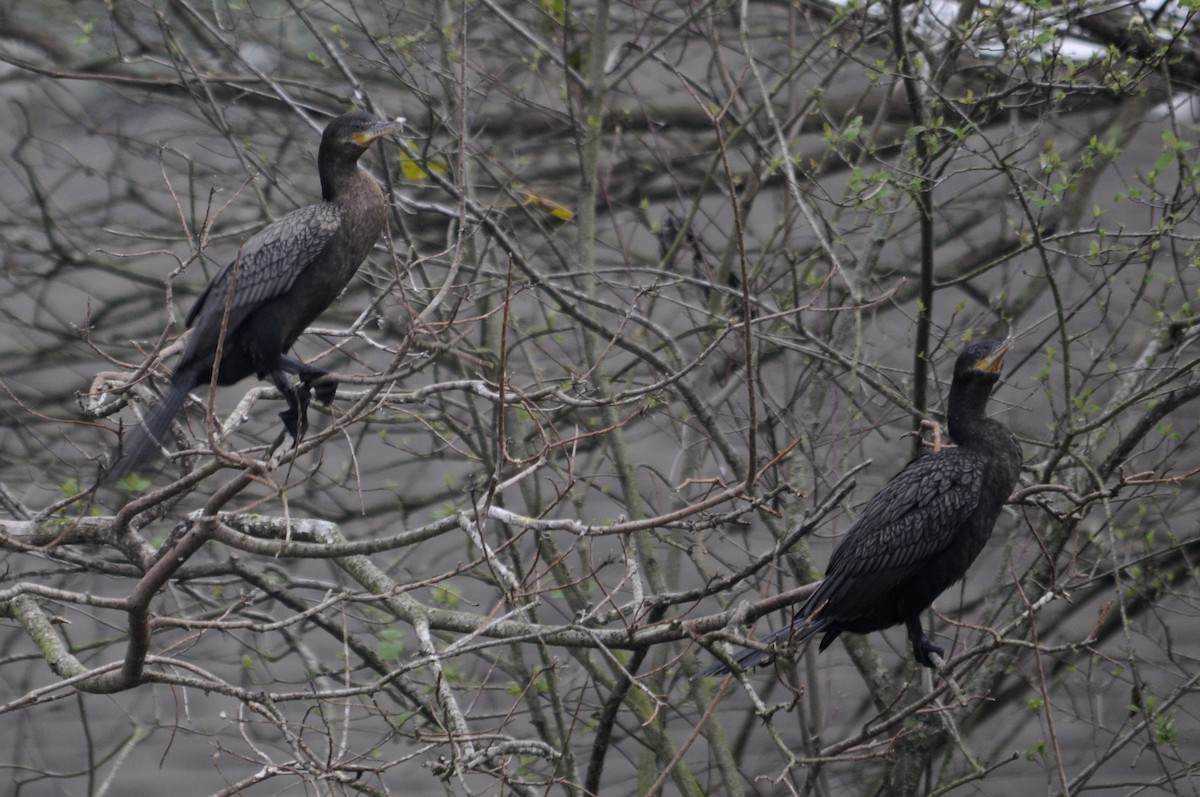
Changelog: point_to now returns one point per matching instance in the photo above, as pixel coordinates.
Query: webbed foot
(295, 417)
(922, 645)
(325, 392)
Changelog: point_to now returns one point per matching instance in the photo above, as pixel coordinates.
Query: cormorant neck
(966, 410)
(337, 176)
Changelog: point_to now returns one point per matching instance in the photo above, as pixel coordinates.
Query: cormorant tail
(798, 630)
(140, 443)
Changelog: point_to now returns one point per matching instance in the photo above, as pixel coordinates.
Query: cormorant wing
(266, 267)
(913, 517)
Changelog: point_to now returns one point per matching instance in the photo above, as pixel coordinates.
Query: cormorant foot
(290, 418)
(922, 644)
(922, 647)
(325, 392)
(295, 417)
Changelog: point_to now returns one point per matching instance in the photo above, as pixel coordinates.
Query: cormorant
(918, 535)
(274, 287)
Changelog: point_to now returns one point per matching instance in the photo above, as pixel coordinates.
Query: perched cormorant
(274, 287)
(918, 535)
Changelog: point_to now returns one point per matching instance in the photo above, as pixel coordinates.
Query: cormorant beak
(995, 361)
(364, 138)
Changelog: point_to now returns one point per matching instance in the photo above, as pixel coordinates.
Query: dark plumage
(274, 287)
(918, 535)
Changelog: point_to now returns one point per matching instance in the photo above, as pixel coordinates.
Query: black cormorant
(918, 535)
(274, 287)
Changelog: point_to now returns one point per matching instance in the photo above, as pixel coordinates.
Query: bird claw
(295, 417)
(922, 647)
(325, 392)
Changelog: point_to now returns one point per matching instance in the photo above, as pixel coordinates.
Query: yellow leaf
(550, 206)
(416, 172)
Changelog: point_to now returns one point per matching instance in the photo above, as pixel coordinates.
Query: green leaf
(853, 130)
(132, 484)
(390, 645)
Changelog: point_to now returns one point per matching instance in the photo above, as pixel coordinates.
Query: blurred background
(666, 292)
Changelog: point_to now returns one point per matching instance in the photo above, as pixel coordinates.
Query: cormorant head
(982, 358)
(976, 372)
(348, 136)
